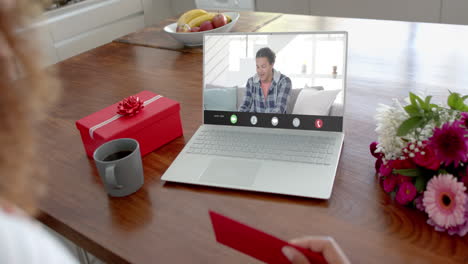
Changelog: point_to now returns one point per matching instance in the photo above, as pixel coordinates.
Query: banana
(196, 22)
(190, 15)
(229, 19)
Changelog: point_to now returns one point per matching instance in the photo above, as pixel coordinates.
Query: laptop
(273, 107)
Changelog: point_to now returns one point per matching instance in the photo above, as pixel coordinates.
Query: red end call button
(318, 123)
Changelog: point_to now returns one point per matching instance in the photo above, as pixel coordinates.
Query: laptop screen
(275, 80)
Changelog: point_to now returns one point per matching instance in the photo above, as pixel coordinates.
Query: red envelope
(255, 243)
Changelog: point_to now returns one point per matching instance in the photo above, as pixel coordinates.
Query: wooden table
(169, 223)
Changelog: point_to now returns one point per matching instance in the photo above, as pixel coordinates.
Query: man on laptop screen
(273, 106)
(268, 90)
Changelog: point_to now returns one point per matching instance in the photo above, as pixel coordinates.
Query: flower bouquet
(422, 158)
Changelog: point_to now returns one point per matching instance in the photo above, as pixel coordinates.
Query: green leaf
(452, 100)
(427, 103)
(412, 98)
(456, 102)
(420, 183)
(461, 104)
(416, 100)
(409, 124)
(428, 100)
(416, 172)
(437, 120)
(420, 101)
(412, 110)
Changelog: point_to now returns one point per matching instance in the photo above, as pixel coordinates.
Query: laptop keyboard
(251, 145)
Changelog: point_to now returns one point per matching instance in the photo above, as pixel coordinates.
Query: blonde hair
(26, 90)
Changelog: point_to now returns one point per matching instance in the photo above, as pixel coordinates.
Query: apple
(195, 29)
(207, 25)
(219, 20)
(183, 28)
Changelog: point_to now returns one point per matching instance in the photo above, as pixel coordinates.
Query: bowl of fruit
(191, 25)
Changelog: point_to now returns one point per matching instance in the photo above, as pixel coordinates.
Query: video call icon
(296, 122)
(253, 120)
(274, 121)
(233, 119)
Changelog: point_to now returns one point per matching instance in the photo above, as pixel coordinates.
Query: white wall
(156, 10)
(180, 6)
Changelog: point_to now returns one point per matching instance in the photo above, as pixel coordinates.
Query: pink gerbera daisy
(460, 230)
(450, 144)
(444, 201)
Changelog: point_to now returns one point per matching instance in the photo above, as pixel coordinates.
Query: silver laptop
(273, 106)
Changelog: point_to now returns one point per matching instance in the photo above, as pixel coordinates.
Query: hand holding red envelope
(256, 243)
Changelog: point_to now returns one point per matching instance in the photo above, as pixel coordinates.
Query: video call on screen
(275, 80)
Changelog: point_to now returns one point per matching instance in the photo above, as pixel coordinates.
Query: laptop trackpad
(231, 172)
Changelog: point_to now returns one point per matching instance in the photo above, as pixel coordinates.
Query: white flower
(389, 118)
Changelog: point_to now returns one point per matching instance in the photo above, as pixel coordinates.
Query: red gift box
(156, 124)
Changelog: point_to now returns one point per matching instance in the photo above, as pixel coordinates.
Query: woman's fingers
(294, 255)
(325, 245)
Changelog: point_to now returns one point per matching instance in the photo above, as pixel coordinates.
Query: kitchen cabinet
(406, 10)
(454, 12)
(281, 6)
(73, 29)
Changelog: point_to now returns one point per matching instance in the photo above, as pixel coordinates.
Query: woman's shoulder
(24, 241)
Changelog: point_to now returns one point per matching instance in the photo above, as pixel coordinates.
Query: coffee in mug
(120, 167)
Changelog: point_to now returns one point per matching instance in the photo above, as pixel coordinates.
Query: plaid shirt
(277, 98)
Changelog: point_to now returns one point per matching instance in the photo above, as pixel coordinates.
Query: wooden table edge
(79, 240)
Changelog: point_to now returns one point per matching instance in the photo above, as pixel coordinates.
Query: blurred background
(70, 27)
